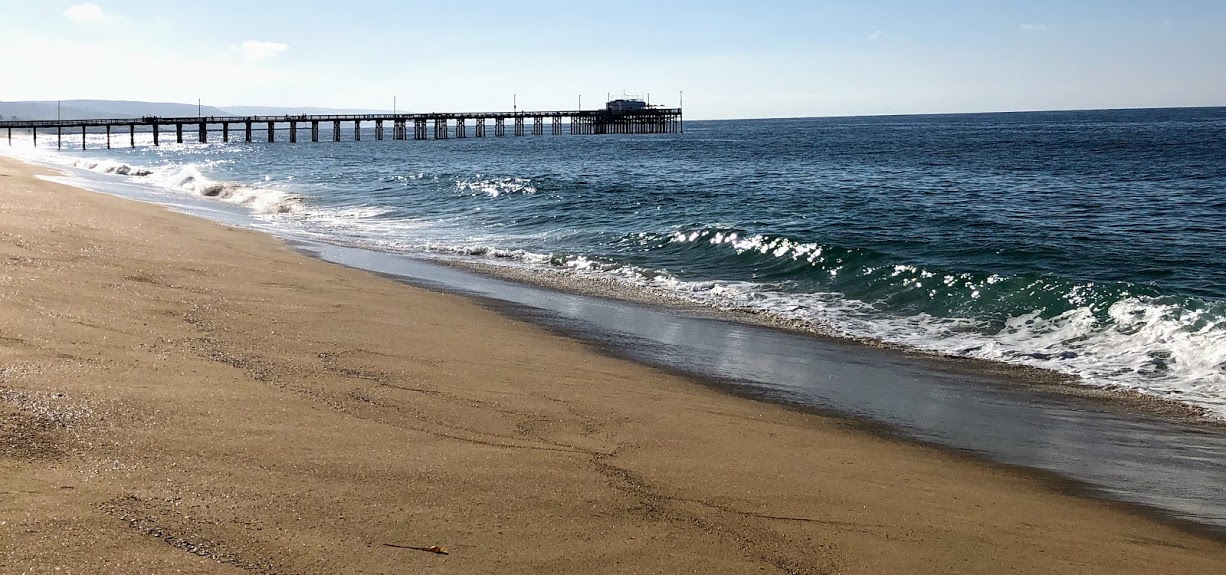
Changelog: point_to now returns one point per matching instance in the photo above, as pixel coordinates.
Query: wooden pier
(438, 126)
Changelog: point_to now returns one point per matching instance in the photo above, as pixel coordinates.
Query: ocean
(1090, 243)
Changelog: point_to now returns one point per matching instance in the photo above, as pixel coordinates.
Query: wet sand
(1124, 450)
(180, 396)
(1045, 380)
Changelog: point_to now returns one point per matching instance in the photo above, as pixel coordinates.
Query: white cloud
(877, 35)
(257, 50)
(88, 13)
(92, 66)
(1034, 27)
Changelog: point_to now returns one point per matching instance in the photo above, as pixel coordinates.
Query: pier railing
(436, 125)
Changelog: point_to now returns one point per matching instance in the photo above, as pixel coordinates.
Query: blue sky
(732, 59)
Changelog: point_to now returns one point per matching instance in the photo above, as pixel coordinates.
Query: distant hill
(94, 109)
(290, 110)
(91, 109)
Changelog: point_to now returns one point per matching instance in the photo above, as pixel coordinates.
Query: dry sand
(177, 396)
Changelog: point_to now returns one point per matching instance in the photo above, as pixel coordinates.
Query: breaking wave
(109, 167)
(189, 178)
(1111, 335)
(1067, 265)
(261, 200)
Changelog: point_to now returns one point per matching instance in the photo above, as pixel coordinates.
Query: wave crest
(109, 167)
(1110, 335)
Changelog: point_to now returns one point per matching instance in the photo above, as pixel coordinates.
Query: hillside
(292, 110)
(91, 109)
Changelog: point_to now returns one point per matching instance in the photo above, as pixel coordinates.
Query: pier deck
(439, 126)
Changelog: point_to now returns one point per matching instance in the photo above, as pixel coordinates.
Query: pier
(618, 117)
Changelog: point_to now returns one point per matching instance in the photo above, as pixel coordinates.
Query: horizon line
(726, 119)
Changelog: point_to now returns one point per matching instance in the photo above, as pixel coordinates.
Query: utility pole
(393, 105)
(57, 110)
(514, 102)
(199, 114)
(580, 102)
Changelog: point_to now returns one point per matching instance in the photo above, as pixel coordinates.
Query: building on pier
(625, 105)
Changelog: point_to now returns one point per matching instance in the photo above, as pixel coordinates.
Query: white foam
(110, 167)
(1163, 347)
(1146, 345)
(261, 200)
(178, 178)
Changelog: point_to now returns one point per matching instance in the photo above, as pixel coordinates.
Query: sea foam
(261, 200)
(186, 178)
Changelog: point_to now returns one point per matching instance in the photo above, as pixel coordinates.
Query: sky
(747, 59)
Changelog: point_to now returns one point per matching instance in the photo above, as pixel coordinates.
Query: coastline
(226, 400)
(1045, 378)
(1034, 378)
(1097, 444)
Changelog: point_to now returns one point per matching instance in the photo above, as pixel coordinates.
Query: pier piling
(618, 117)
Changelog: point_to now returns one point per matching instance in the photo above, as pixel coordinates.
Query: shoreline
(1032, 377)
(866, 425)
(1040, 378)
(667, 492)
(974, 379)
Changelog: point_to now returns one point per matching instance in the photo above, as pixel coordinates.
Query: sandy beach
(177, 396)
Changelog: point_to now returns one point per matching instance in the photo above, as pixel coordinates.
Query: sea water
(1089, 243)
